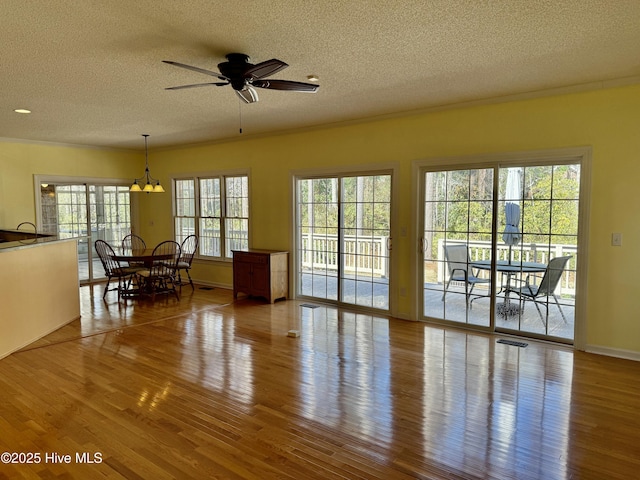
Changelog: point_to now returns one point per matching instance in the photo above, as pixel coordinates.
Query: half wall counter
(39, 287)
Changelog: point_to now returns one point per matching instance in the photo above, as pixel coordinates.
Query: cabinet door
(260, 280)
(242, 277)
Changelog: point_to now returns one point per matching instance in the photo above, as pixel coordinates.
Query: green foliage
(459, 206)
(365, 205)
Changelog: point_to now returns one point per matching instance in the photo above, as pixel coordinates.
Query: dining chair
(29, 225)
(113, 269)
(457, 258)
(24, 226)
(544, 289)
(134, 242)
(188, 248)
(160, 276)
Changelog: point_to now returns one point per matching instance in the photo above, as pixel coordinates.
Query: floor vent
(309, 305)
(512, 342)
(206, 288)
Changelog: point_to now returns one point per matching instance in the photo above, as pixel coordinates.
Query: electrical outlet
(616, 239)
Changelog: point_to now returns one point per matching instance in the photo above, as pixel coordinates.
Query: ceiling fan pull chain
(240, 114)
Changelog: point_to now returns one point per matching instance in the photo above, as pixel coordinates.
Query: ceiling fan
(244, 76)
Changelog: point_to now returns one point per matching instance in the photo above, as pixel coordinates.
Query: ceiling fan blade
(248, 95)
(218, 84)
(196, 69)
(264, 69)
(287, 85)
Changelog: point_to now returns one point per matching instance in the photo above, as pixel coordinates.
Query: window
(216, 208)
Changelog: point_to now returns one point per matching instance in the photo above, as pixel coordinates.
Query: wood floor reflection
(206, 387)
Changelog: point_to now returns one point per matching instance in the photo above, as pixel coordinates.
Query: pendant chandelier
(147, 178)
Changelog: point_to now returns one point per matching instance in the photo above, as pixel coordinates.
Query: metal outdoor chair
(160, 276)
(113, 269)
(457, 258)
(189, 247)
(546, 288)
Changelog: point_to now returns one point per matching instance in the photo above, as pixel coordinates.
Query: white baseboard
(614, 352)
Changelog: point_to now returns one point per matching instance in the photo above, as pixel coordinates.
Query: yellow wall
(20, 162)
(606, 120)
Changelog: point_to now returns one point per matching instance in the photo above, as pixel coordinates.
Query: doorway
(343, 225)
(87, 211)
(505, 223)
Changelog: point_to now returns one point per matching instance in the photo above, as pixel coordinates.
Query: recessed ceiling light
(22, 110)
(313, 78)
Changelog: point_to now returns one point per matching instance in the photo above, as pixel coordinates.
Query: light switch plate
(616, 239)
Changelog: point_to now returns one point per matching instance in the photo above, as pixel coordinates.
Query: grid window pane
(210, 241)
(237, 197)
(221, 219)
(185, 198)
(210, 197)
(236, 235)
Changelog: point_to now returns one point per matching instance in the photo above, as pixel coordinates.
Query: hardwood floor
(206, 387)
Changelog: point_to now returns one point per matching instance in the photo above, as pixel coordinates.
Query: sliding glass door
(500, 248)
(458, 224)
(89, 211)
(343, 238)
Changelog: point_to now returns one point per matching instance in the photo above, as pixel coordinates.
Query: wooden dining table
(140, 256)
(143, 257)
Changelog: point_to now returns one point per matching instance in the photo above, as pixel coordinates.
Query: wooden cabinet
(261, 273)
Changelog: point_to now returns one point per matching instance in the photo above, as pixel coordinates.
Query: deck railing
(362, 255)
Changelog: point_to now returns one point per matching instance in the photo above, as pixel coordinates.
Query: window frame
(197, 217)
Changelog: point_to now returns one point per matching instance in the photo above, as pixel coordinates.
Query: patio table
(509, 268)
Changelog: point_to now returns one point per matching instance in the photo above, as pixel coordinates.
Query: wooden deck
(206, 387)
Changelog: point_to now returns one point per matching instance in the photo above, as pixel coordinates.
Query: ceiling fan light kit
(244, 77)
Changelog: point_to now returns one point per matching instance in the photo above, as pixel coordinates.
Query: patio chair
(457, 258)
(546, 287)
(113, 269)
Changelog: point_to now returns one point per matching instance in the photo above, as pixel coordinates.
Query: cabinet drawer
(251, 258)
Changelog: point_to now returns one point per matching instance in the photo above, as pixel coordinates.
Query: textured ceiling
(91, 71)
